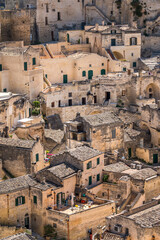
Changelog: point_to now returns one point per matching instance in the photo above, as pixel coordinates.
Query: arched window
(83, 73)
(103, 71)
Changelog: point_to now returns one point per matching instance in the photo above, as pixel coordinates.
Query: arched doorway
(90, 74)
(152, 91)
(103, 71)
(26, 220)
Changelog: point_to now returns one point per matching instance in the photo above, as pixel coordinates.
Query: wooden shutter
(16, 202)
(23, 200)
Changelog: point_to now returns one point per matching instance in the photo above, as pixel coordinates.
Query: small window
(124, 69)
(98, 177)
(123, 92)
(19, 201)
(4, 89)
(98, 161)
(37, 157)
(84, 74)
(90, 65)
(113, 31)
(0, 67)
(132, 54)
(34, 61)
(46, 75)
(113, 42)
(65, 78)
(87, 40)
(90, 180)
(150, 89)
(52, 104)
(59, 103)
(114, 133)
(69, 94)
(111, 12)
(46, 20)
(102, 64)
(89, 165)
(25, 66)
(47, 10)
(134, 64)
(133, 41)
(58, 16)
(35, 199)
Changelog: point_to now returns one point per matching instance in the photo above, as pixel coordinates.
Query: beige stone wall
(151, 188)
(11, 213)
(93, 171)
(143, 153)
(28, 82)
(73, 66)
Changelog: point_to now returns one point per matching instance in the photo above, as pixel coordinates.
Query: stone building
(101, 131)
(129, 186)
(88, 160)
(75, 67)
(13, 107)
(20, 69)
(117, 42)
(83, 96)
(20, 157)
(49, 197)
(139, 224)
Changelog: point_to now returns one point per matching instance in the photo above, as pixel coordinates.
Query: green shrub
(36, 104)
(105, 178)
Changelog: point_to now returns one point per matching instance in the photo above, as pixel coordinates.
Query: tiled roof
(84, 153)
(144, 174)
(62, 170)
(102, 119)
(17, 143)
(22, 182)
(116, 167)
(148, 217)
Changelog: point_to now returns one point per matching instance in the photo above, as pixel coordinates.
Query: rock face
(54, 122)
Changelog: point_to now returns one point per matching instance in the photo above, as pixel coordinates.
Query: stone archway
(118, 55)
(152, 91)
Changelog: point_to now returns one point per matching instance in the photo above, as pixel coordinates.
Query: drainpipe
(68, 227)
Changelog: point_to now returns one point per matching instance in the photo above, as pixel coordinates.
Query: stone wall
(15, 25)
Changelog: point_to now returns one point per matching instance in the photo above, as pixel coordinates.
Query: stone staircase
(100, 13)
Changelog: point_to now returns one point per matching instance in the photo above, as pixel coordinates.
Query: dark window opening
(58, 16)
(107, 96)
(46, 20)
(70, 102)
(83, 101)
